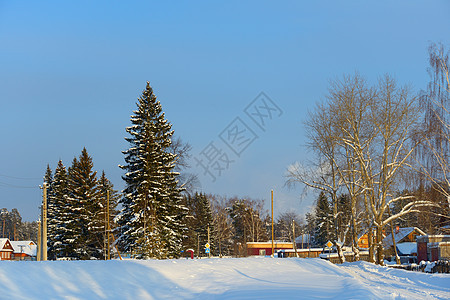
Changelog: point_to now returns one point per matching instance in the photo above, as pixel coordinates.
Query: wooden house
(6, 249)
(24, 250)
(363, 240)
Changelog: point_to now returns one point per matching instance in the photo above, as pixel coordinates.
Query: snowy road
(234, 278)
(400, 284)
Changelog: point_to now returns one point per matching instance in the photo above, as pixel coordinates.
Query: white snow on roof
(407, 248)
(2, 243)
(400, 235)
(27, 247)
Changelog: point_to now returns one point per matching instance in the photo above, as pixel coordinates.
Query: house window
(262, 252)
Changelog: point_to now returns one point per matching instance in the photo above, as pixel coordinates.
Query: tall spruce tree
(324, 221)
(85, 201)
(63, 216)
(151, 221)
(51, 213)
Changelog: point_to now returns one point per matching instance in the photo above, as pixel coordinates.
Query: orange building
(363, 240)
(23, 250)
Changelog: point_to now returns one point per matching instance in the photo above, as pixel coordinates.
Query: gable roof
(27, 247)
(400, 235)
(4, 243)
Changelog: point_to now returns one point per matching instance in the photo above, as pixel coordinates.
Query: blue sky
(71, 72)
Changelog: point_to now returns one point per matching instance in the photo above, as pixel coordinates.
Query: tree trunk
(379, 246)
(354, 238)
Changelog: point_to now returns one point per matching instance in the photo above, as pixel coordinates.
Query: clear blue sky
(71, 71)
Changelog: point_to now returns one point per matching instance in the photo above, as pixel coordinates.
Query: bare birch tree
(364, 135)
(434, 151)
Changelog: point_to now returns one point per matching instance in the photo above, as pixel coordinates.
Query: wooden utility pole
(209, 253)
(293, 238)
(108, 226)
(272, 223)
(198, 245)
(105, 236)
(43, 243)
(39, 242)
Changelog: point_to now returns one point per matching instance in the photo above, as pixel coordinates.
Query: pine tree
(61, 238)
(200, 218)
(151, 219)
(324, 220)
(51, 213)
(85, 201)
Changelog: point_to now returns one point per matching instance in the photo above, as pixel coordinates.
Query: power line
(20, 178)
(17, 186)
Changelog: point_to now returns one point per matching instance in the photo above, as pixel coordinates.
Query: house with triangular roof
(405, 240)
(402, 235)
(6, 249)
(24, 250)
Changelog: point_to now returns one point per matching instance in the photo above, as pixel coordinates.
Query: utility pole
(109, 226)
(198, 245)
(272, 222)
(43, 243)
(39, 242)
(209, 253)
(293, 237)
(105, 236)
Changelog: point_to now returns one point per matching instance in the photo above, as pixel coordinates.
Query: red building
(6, 249)
(433, 247)
(265, 248)
(23, 250)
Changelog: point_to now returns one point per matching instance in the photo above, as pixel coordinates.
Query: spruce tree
(51, 213)
(63, 215)
(87, 223)
(324, 220)
(203, 219)
(151, 219)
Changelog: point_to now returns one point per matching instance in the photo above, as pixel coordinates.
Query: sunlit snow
(231, 278)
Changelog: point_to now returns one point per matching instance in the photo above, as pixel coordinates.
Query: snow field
(232, 278)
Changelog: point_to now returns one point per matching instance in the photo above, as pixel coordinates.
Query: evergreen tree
(51, 213)
(310, 228)
(63, 216)
(324, 220)
(204, 218)
(16, 224)
(343, 221)
(151, 219)
(85, 202)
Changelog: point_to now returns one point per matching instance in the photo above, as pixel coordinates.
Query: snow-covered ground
(232, 278)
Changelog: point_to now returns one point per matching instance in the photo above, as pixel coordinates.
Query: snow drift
(234, 278)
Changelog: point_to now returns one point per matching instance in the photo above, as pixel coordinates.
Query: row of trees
(12, 227)
(77, 201)
(232, 222)
(372, 142)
